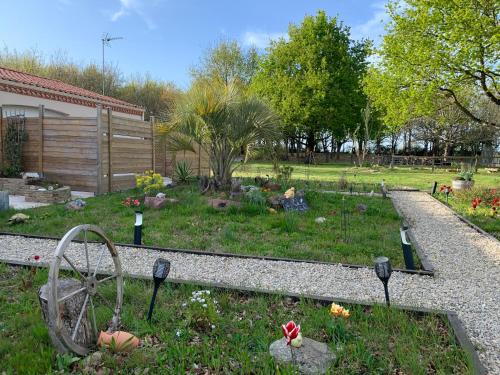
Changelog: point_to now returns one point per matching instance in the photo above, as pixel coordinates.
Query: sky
(165, 37)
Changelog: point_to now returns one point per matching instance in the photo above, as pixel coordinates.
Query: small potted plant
(463, 181)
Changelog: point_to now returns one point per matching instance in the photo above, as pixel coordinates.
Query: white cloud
(261, 39)
(374, 27)
(130, 7)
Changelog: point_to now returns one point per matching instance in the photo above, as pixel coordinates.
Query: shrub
(150, 183)
(15, 136)
(284, 173)
(255, 197)
(183, 172)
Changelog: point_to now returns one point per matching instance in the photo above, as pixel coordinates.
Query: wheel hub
(92, 285)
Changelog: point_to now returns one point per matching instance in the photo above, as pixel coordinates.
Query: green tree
(156, 97)
(313, 79)
(223, 121)
(229, 62)
(437, 48)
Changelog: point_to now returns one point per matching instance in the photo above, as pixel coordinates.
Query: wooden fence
(98, 154)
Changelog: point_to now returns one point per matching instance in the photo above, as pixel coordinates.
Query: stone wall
(60, 195)
(15, 186)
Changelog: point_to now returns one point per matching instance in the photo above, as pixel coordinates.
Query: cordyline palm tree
(224, 122)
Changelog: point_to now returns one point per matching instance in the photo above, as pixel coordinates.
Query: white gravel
(467, 265)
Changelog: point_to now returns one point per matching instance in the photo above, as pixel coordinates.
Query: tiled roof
(58, 90)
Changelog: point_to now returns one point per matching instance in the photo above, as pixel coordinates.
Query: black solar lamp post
(447, 192)
(161, 269)
(138, 228)
(383, 270)
(434, 187)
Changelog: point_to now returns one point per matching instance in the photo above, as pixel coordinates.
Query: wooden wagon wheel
(91, 280)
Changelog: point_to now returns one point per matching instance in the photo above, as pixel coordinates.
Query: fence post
(110, 146)
(41, 115)
(153, 157)
(99, 154)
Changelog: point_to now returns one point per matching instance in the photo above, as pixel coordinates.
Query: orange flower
(337, 310)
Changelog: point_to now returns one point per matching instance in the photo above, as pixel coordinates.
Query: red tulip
(290, 331)
(136, 202)
(36, 257)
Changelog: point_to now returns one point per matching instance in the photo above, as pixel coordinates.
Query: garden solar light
(447, 193)
(161, 269)
(383, 270)
(138, 228)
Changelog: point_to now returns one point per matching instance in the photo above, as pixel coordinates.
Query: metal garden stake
(161, 269)
(383, 270)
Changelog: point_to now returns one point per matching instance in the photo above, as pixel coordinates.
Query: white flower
(213, 326)
(178, 333)
(207, 291)
(205, 306)
(193, 300)
(194, 293)
(202, 300)
(184, 304)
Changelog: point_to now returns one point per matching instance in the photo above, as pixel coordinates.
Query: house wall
(29, 105)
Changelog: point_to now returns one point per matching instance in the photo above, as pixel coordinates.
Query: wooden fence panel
(79, 151)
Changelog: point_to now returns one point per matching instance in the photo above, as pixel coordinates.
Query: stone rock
(75, 205)
(18, 218)
(154, 202)
(361, 208)
(312, 357)
(275, 202)
(320, 220)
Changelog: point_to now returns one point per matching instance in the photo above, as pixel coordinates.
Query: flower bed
(42, 195)
(479, 205)
(250, 229)
(212, 330)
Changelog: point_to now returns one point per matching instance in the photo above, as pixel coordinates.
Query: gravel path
(467, 266)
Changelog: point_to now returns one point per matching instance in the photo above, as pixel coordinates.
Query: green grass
(420, 178)
(374, 340)
(252, 230)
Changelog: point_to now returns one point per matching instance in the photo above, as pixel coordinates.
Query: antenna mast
(106, 39)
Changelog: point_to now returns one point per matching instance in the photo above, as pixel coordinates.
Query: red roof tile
(15, 76)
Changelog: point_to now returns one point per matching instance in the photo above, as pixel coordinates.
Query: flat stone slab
(313, 357)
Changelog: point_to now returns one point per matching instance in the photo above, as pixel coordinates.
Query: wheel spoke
(94, 320)
(74, 268)
(77, 325)
(99, 260)
(106, 279)
(67, 296)
(86, 251)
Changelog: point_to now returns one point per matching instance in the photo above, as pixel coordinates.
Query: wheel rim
(92, 284)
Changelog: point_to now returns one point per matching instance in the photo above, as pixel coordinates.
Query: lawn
(420, 178)
(251, 229)
(373, 340)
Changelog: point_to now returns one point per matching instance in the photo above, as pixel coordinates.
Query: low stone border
(229, 255)
(456, 325)
(466, 221)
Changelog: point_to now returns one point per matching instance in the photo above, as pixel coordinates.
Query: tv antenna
(106, 41)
